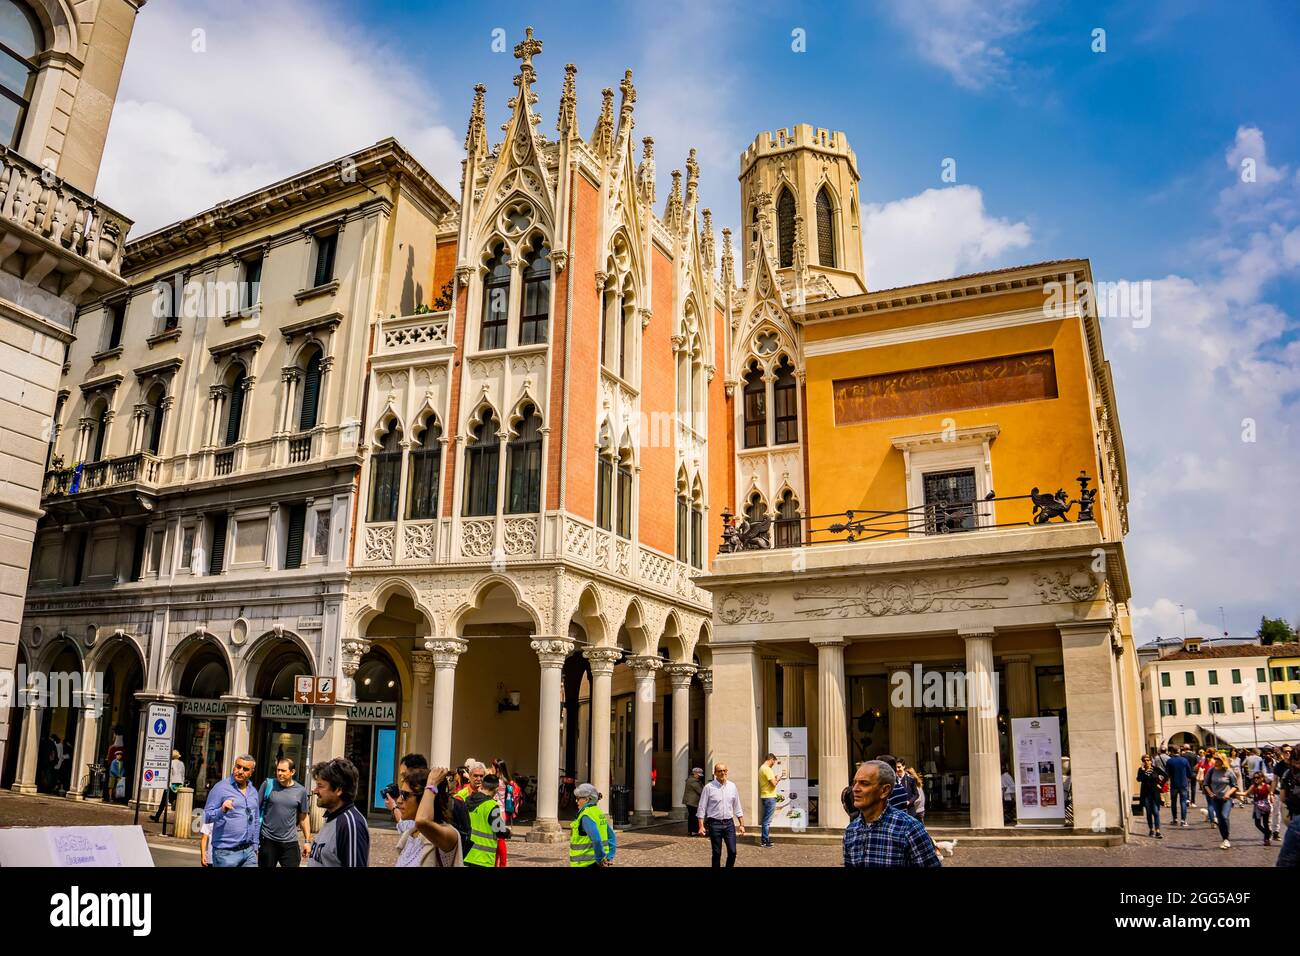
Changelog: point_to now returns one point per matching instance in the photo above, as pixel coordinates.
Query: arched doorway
(201, 739)
(119, 721)
(1186, 738)
(281, 726)
(9, 772)
(371, 742)
(575, 760)
(60, 719)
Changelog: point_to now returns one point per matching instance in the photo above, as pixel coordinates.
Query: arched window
(235, 410)
(626, 332)
(605, 482)
(624, 524)
(156, 420)
(697, 527)
(607, 299)
(310, 394)
(426, 461)
(385, 476)
(683, 524)
(537, 295)
(786, 403)
(785, 229)
(21, 41)
(755, 407)
(753, 225)
(788, 534)
(482, 457)
(524, 465)
(496, 301)
(101, 426)
(755, 508)
(825, 229)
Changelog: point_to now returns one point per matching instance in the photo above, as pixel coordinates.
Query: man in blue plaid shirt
(880, 834)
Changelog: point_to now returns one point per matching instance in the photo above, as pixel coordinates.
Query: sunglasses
(408, 795)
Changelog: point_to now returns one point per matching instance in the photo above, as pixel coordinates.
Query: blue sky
(1130, 157)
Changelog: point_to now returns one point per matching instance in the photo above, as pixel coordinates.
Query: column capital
(792, 664)
(602, 659)
(893, 666)
(422, 665)
(1085, 628)
(705, 676)
(645, 667)
(836, 641)
(551, 649)
(445, 651)
(976, 633)
(680, 674)
(1015, 658)
(354, 648)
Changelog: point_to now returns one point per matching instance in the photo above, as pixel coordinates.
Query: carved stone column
(354, 648)
(239, 722)
(551, 651)
(83, 752)
(602, 660)
(705, 677)
(793, 713)
(645, 669)
(445, 653)
(833, 731)
(982, 731)
(29, 745)
(679, 675)
(810, 706)
(422, 703)
(902, 716)
(769, 699)
(1020, 685)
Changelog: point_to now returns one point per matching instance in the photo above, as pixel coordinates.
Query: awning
(1274, 732)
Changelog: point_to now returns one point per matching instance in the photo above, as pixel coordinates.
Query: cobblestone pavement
(1191, 848)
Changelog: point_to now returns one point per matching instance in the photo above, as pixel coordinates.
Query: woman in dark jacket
(1148, 778)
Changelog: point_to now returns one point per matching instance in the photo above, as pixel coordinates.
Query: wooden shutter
(293, 541)
(236, 410)
(217, 556)
(325, 258)
(310, 395)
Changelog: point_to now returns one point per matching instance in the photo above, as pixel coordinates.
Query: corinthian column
(354, 648)
(422, 669)
(982, 731)
(679, 675)
(444, 653)
(833, 731)
(551, 651)
(642, 806)
(602, 660)
(705, 676)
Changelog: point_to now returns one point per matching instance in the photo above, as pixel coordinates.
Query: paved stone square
(1192, 848)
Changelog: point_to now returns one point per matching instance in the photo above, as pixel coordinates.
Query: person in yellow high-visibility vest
(591, 837)
(486, 824)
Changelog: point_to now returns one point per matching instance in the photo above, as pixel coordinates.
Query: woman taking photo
(1221, 788)
(1148, 779)
(427, 836)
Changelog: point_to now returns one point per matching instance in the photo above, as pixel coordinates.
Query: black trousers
(168, 799)
(720, 831)
(692, 823)
(273, 853)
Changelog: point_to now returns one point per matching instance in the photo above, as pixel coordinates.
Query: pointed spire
(568, 120)
(764, 203)
(728, 260)
(692, 179)
(602, 140)
(800, 250)
(645, 172)
(529, 47)
(673, 211)
(706, 240)
(476, 136)
(627, 98)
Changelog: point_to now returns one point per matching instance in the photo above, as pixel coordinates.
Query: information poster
(790, 744)
(1040, 786)
(158, 747)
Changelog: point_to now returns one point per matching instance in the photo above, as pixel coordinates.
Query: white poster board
(158, 733)
(74, 847)
(1036, 755)
(790, 744)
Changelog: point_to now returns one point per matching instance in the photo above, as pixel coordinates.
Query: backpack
(265, 796)
(510, 798)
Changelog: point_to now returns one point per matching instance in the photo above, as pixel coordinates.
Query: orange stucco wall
(722, 459)
(658, 515)
(583, 360)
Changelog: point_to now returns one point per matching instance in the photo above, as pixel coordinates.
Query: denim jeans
(721, 832)
(1178, 803)
(245, 857)
(1152, 806)
(769, 810)
(1290, 855)
(1221, 809)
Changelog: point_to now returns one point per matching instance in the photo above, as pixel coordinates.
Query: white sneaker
(1224, 845)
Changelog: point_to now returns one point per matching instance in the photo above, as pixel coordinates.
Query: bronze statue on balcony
(1047, 507)
(745, 536)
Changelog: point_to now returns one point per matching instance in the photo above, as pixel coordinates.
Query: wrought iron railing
(941, 516)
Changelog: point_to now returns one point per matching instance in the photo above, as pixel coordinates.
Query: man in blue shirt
(232, 809)
(1179, 772)
(881, 835)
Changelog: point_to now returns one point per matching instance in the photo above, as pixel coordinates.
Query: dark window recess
(156, 426)
(537, 297)
(787, 523)
(426, 460)
(385, 475)
(481, 462)
(697, 537)
(252, 281)
(78, 557)
(496, 302)
(784, 397)
(293, 540)
(137, 553)
(116, 319)
(625, 499)
(785, 229)
(825, 230)
(101, 426)
(325, 248)
(217, 555)
(310, 394)
(683, 517)
(755, 409)
(236, 414)
(604, 492)
(949, 501)
(524, 465)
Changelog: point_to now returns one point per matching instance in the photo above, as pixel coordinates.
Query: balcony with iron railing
(423, 330)
(131, 471)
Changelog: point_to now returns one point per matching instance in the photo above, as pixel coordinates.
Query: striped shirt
(343, 840)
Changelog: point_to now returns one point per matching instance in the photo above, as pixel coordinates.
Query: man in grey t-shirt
(285, 806)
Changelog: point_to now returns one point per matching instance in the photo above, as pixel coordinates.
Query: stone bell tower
(809, 180)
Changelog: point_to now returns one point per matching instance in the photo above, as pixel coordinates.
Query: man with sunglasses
(719, 804)
(232, 809)
(285, 807)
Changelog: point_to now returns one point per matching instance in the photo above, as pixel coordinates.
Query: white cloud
(277, 88)
(1210, 520)
(934, 235)
(964, 37)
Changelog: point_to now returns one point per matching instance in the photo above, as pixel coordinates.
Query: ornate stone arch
(106, 647)
(250, 662)
(386, 418)
(479, 591)
(174, 666)
(377, 600)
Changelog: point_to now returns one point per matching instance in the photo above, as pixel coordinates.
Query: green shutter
(293, 542)
(310, 394)
(217, 559)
